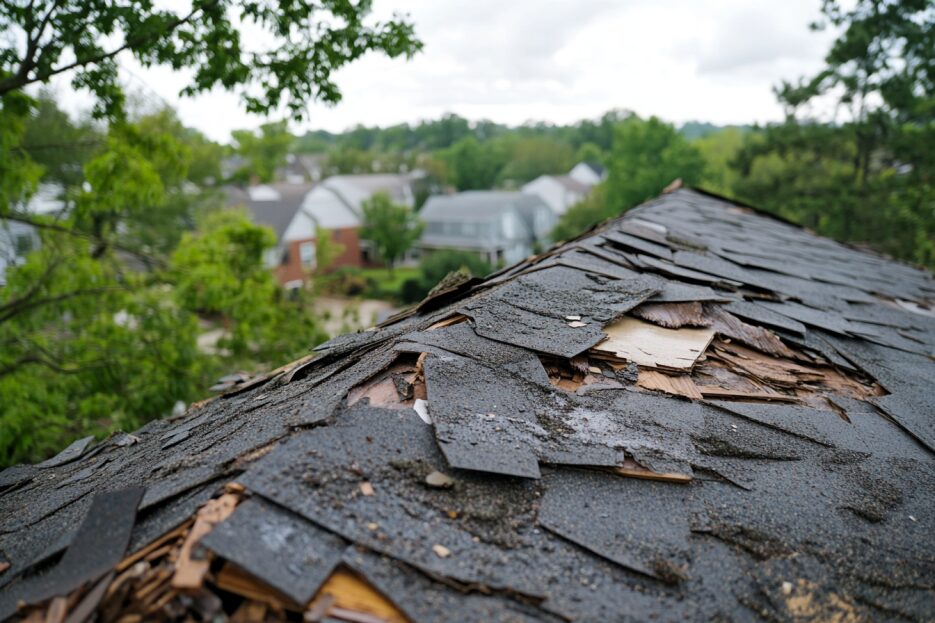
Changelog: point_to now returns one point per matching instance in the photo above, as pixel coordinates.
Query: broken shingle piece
(279, 548)
(639, 524)
(639, 244)
(504, 322)
(758, 313)
(69, 454)
(560, 291)
(810, 316)
(462, 339)
(96, 548)
(481, 422)
(649, 345)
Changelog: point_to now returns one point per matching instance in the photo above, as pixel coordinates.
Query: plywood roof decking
(788, 473)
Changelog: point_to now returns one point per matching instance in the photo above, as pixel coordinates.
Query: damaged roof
(692, 412)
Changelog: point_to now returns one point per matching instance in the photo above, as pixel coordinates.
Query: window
(307, 254)
(23, 244)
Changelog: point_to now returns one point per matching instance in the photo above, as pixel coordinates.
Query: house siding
(292, 270)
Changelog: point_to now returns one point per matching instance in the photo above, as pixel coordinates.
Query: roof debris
(693, 412)
(646, 344)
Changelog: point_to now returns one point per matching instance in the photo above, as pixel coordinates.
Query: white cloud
(560, 61)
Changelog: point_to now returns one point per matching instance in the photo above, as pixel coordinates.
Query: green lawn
(391, 283)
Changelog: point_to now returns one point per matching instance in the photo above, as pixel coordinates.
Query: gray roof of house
(277, 213)
(786, 474)
(477, 205)
(572, 184)
(597, 167)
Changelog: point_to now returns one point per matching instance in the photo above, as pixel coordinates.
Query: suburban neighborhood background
(145, 265)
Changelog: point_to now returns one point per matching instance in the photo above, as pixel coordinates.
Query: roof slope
(476, 205)
(694, 412)
(277, 211)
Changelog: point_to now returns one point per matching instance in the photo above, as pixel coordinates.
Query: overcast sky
(518, 60)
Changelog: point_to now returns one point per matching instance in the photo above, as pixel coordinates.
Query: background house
(18, 239)
(336, 204)
(589, 173)
(273, 205)
(559, 192)
(500, 227)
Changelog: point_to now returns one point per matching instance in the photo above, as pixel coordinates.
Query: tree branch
(21, 77)
(23, 304)
(39, 224)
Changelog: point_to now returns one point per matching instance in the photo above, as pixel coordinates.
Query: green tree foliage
(438, 265)
(308, 42)
(647, 155)
(589, 152)
(327, 250)
(719, 149)
(473, 165)
(95, 332)
(19, 174)
(391, 228)
(265, 150)
(534, 156)
(58, 144)
(93, 345)
(868, 176)
(219, 271)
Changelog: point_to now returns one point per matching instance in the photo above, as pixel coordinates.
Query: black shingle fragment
(639, 245)
(638, 524)
(810, 316)
(506, 323)
(16, 475)
(481, 422)
(759, 314)
(463, 340)
(96, 548)
(69, 454)
(282, 549)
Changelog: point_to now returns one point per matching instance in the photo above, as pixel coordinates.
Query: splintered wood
(396, 387)
(148, 584)
(345, 592)
(170, 579)
(744, 362)
(677, 385)
(673, 315)
(632, 469)
(190, 572)
(647, 344)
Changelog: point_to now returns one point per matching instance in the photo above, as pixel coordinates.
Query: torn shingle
(279, 548)
(638, 524)
(480, 424)
(95, 549)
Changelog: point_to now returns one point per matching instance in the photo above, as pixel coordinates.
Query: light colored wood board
(680, 385)
(190, 572)
(649, 345)
(632, 469)
(350, 592)
(447, 322)
(172, 535)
